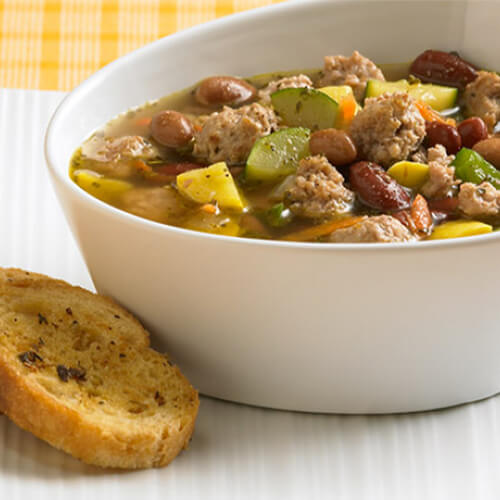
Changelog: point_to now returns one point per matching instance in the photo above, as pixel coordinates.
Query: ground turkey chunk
(441, 181)
(354, 71)
(229, 135)
(289, 82)
(318, 190)
(116, 157)
(114, 149)
(376, 229)
(160, 204)
(388, 129)
(481, 200)
(482, 98)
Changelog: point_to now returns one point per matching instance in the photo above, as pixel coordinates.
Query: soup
(350, 153)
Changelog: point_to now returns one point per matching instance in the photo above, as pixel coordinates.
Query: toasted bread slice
(76, 371)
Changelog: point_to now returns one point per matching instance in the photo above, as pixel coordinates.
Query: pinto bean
(445, 134)
(335, 144)
(472, 130)
(218, 90)
(376, 188)
(489, 149)
(443, 68)
(172, 129)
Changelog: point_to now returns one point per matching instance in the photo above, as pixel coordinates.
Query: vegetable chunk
(304, 107)
(211, 184)
(100, 187)
(460, 229)
(409, 173)
(277, 155)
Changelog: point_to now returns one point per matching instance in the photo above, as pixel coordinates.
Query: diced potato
(348, 106)
(213, 223)
(460, 229)
(409, 173)
(213, 183)
(95, 184)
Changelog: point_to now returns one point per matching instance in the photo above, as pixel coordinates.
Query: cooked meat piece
(229, 135)
(441, 181)
(160, 204)
(376, 229)
(289, 82)
(117, 148)
(354, 71)
(482, 98)
(388, 129)
(481, 200)
(420, 155)
(114, 157)
(318, 190)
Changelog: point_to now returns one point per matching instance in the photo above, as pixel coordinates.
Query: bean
(489, 149)
(172, 129)
(444, 205)
(472, 131)
(376, 188)
(443, 68)
(445, 134)
(335, 144)
(218, 90)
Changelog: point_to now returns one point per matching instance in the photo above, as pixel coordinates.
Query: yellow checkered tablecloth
(55, 44)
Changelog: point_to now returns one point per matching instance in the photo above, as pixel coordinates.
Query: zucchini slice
(437, 97)
(277, 155)
(304, 107)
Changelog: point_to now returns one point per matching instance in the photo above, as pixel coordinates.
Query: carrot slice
(348, 109)
(429, 115)
(315, 232)
(143, 167)
(143, 122)
(421, 216)
(209, 208)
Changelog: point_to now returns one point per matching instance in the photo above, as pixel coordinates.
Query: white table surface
(238, 452)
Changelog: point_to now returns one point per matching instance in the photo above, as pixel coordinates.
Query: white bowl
(312, 327)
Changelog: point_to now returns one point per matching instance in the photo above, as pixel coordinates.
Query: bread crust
(95, 441)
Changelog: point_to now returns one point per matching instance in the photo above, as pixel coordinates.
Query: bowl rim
(50, 145)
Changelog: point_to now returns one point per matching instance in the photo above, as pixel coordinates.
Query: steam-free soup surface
(350, 153)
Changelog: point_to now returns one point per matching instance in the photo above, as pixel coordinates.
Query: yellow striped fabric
(55, 44)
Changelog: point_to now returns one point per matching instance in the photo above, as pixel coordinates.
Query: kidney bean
(335, 144)
(444, 205)
(172, 129)
(445, 134)
(472, 130)
(443, 68)
(218, 90)
(489, 149)
(376, 188)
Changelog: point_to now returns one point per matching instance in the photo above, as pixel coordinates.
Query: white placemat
(238, 452)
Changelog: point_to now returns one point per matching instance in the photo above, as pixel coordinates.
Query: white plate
(238, 452)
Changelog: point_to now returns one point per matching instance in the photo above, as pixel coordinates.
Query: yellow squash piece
(409, 173)
(211, 184)
(348, 106)
(105, 189)
(460, 229)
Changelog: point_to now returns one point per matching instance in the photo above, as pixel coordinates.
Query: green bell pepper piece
(472, 167)
(278, 215)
